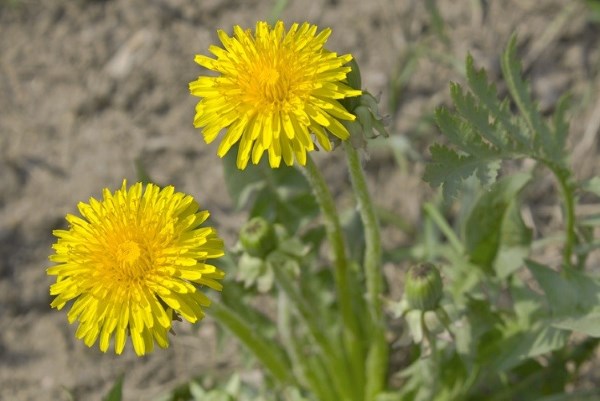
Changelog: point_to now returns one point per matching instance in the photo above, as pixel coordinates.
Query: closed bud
(423, 287)
(258, 237)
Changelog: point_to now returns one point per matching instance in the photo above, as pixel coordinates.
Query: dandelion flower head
(131, 262)
(272, 92)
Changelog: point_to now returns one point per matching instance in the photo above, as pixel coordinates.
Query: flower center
(131, 263)
(128, 253)
(272, 86)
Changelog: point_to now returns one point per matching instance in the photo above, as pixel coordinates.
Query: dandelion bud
(258, 237)
(423, 287)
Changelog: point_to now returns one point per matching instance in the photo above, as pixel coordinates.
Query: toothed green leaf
(449, 169)
(486, 130)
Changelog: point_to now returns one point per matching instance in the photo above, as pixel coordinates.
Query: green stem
(340, 261)
(378, 352)
(434, 358)
(263, 349)
(443, 226)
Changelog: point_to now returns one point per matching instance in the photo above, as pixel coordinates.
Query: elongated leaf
(526, 343)
(509, 341)
(573, 299)
(539, 131)
(484, 226)
(587, 323)
(566, 294)
(515, 241)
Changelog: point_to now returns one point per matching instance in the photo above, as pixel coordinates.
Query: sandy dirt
(89, 87)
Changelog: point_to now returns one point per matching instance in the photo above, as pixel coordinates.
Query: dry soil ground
(88, 87)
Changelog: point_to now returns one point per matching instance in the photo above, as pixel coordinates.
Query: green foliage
(573, 299)
(494, 230)
(279, 195)
(484, 132)
(502, 328)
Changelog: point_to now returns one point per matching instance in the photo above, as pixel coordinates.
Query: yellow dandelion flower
(130, 262)
(273, 90)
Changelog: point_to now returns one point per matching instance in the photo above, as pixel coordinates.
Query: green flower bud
(258, 237)
(423, 287)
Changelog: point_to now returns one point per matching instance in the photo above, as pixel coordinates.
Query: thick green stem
(263, 349)
(378, 351)
(340, 262)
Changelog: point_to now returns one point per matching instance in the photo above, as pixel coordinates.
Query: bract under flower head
(273, 90)
(130, 262)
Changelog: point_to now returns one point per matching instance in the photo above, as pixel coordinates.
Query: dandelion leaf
(547, 144)
(484, 130)
(573, 299)
(449, 169)
(490, 226)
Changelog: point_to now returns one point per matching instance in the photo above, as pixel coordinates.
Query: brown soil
(88, 87)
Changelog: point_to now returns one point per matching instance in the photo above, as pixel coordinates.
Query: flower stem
(378, 352)
(443, 226)
(340, 261)
(263, 349)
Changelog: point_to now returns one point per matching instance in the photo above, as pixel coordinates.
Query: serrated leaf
(478, 116)
(499, 110)
(518, 88)
(461, 134)
(484, 226)
(449, 169)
